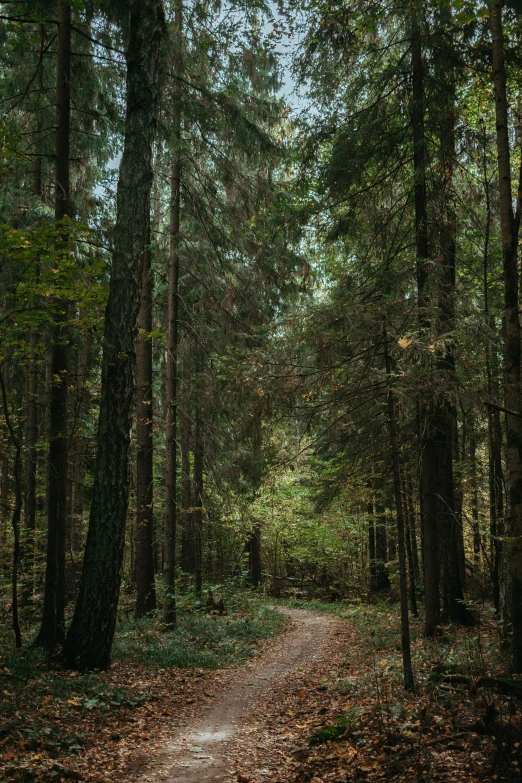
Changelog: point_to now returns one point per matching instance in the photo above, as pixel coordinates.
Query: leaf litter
(341, 714)
(325, 705)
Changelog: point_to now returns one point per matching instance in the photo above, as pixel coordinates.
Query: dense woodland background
(249, 342)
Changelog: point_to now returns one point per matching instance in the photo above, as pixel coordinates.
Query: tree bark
(52, 629)
(371, 547)
(145, 585)
(17, 509)
(391, 538)
(188, 563)
(430, 539)
(197, 514)
(409, 682)
(409, 551)
(171, 507)
(445, 417)
(419, 164)
(496, 502)
(31, 461)
(382, 581)
(429, 520)
(89, 640)
(4, 501)
(474, 496)
(509, 237)
(459, 459)
(496, 478)
(256, 566)
(31, 389)
(79, 454)
(413, 527)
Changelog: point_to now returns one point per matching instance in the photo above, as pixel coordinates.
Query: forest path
(205, 750)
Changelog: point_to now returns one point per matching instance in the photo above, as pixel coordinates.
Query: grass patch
(200, 640)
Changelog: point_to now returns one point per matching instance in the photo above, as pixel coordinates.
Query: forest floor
(325, 702)
(227, 740)
(321, 701)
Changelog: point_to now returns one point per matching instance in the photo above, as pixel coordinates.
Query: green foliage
(84, 692)
(299, 541)
(200, 640)
(44, 271)
(331, 733)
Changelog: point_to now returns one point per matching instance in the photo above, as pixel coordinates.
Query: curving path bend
(201, 751)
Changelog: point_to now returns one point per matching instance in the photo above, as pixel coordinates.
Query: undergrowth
(462, 723)
(475, 651)
(50, 717)
(200, 640)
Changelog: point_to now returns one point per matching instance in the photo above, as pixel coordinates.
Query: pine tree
(89, 638)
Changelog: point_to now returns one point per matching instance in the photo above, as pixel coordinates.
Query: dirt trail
(202, 750)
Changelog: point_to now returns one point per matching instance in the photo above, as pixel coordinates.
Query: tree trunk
(409, 682)
(31, 461)
(171, 510)
(445, 410)
(430, 539)
(89, 640)
(427, 444)
(197, 514)
(419, 166)
(413, 527)
(474, 496)
(256, 566)
(382, 581)
(496, 479)
(371, 547)
(4, 501)
(77, 416)
(496, 494)
(452, 594)
(210, 565)
(459, 458)
(188, 563)
(79, 457)
(496, 501)
(43, 467)
(31, 389)
(52, 630)
(392, 538)
(17, 509)
(509, 237)
(409, 552)
(145, 587)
